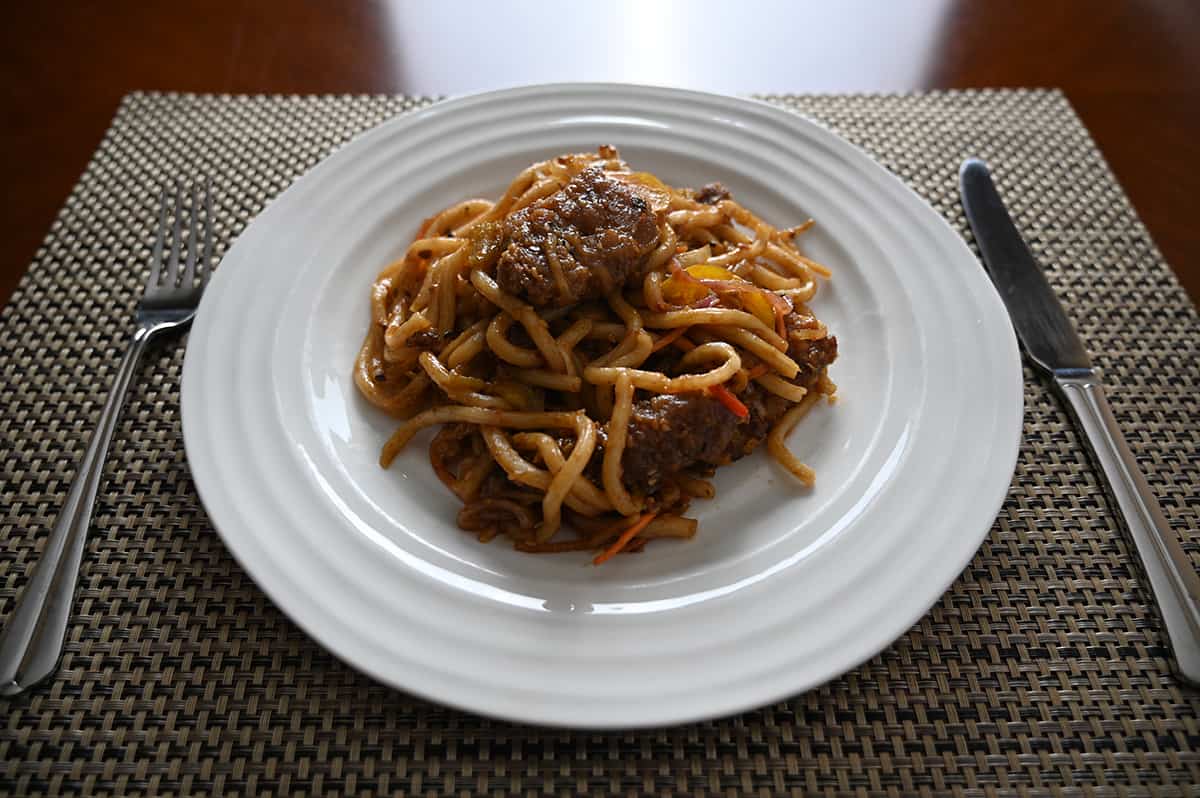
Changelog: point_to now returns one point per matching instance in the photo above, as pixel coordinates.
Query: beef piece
(598, 230)
(428, 339)
(712, 194)
(765, 409)
(813, 355)
(670, 432)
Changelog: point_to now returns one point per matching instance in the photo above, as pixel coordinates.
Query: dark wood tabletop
(1131, 69)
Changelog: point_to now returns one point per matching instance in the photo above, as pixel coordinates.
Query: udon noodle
(591, 346)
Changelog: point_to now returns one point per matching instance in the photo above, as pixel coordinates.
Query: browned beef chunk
(765, 409)
(670, 432)
(579, 243)
(428, 339)
(712, 194)
(813, 355)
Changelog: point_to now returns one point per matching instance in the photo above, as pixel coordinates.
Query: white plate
(781, 590)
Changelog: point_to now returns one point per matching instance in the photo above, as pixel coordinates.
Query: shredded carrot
(623, 541)
(731, 402)
(668, 338)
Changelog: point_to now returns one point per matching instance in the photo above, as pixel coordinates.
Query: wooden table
(1132, 70)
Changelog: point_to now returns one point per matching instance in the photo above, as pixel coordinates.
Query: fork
(33, 638)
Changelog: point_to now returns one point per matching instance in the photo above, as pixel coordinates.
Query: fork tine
(206, 252)
(189, 270)
(156, 254)
(172, 271)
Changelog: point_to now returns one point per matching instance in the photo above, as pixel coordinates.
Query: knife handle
(1173, 580)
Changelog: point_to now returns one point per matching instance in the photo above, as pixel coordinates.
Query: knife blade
(1054, 347)
(1040, 321)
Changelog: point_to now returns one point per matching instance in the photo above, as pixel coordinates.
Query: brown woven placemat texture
(1044, 668)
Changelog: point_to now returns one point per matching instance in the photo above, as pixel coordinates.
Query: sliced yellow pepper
(682, 291)
(702, 271)
(757, 303)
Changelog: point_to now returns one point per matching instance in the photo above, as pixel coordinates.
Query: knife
(1054, 348)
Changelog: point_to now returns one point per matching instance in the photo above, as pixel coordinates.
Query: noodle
(560, 486)
(534, 324)
(760, 348)
(497, 341)
(464, 390)
(789, 391)
(548, 382)
(548, 448)
(522, 471)
(660, 383)
(618, 427)
(779, 450)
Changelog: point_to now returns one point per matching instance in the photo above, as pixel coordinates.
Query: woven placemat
(1044, 668)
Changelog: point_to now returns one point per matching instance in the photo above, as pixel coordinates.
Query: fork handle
(1172, 577)
(32, 639)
